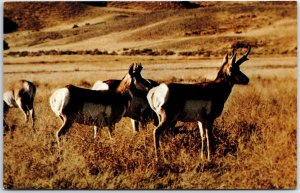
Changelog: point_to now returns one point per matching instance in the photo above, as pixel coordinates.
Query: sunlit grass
(254, 147)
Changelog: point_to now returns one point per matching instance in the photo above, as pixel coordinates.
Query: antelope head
(230, 69)
(139, 82)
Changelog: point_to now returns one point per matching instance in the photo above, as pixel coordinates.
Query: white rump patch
(29, 88)
(26, 86)
(95, 110)
(100, 85)
(157, 96)
(59, 99)
(9, 99)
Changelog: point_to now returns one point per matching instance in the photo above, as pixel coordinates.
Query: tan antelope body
(139, 109)
(202, 102)
(21, 95)
(90, 107)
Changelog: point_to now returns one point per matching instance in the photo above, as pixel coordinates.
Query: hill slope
(207, 27)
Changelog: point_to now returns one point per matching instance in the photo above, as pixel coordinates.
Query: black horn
(244, 57)
(138, 67)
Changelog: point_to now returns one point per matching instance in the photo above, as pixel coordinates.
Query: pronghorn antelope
(90, 107)
(202, 102)
(20, 95)
(139, 109)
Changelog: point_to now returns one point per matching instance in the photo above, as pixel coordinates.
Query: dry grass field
(255, 138)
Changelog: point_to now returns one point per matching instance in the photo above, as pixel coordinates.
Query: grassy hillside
(206, 27)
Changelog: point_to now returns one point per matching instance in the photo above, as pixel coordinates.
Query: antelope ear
(140, 65)
(131, 70)
(225, 59)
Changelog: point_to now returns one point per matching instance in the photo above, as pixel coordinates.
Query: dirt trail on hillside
(117, 41)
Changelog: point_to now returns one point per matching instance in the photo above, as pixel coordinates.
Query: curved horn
(248, 51)
(244, 57)
(232, 61)
(233, 52)
(139, 68)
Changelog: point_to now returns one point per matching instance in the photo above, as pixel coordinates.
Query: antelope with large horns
(90, 107)
(202, 102)
(20, 95)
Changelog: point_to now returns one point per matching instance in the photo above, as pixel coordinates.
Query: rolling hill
(207, 28)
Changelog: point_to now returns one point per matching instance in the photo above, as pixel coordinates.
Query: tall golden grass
(255, 145)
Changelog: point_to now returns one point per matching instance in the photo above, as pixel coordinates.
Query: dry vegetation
(211, 27)
(255, 138)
